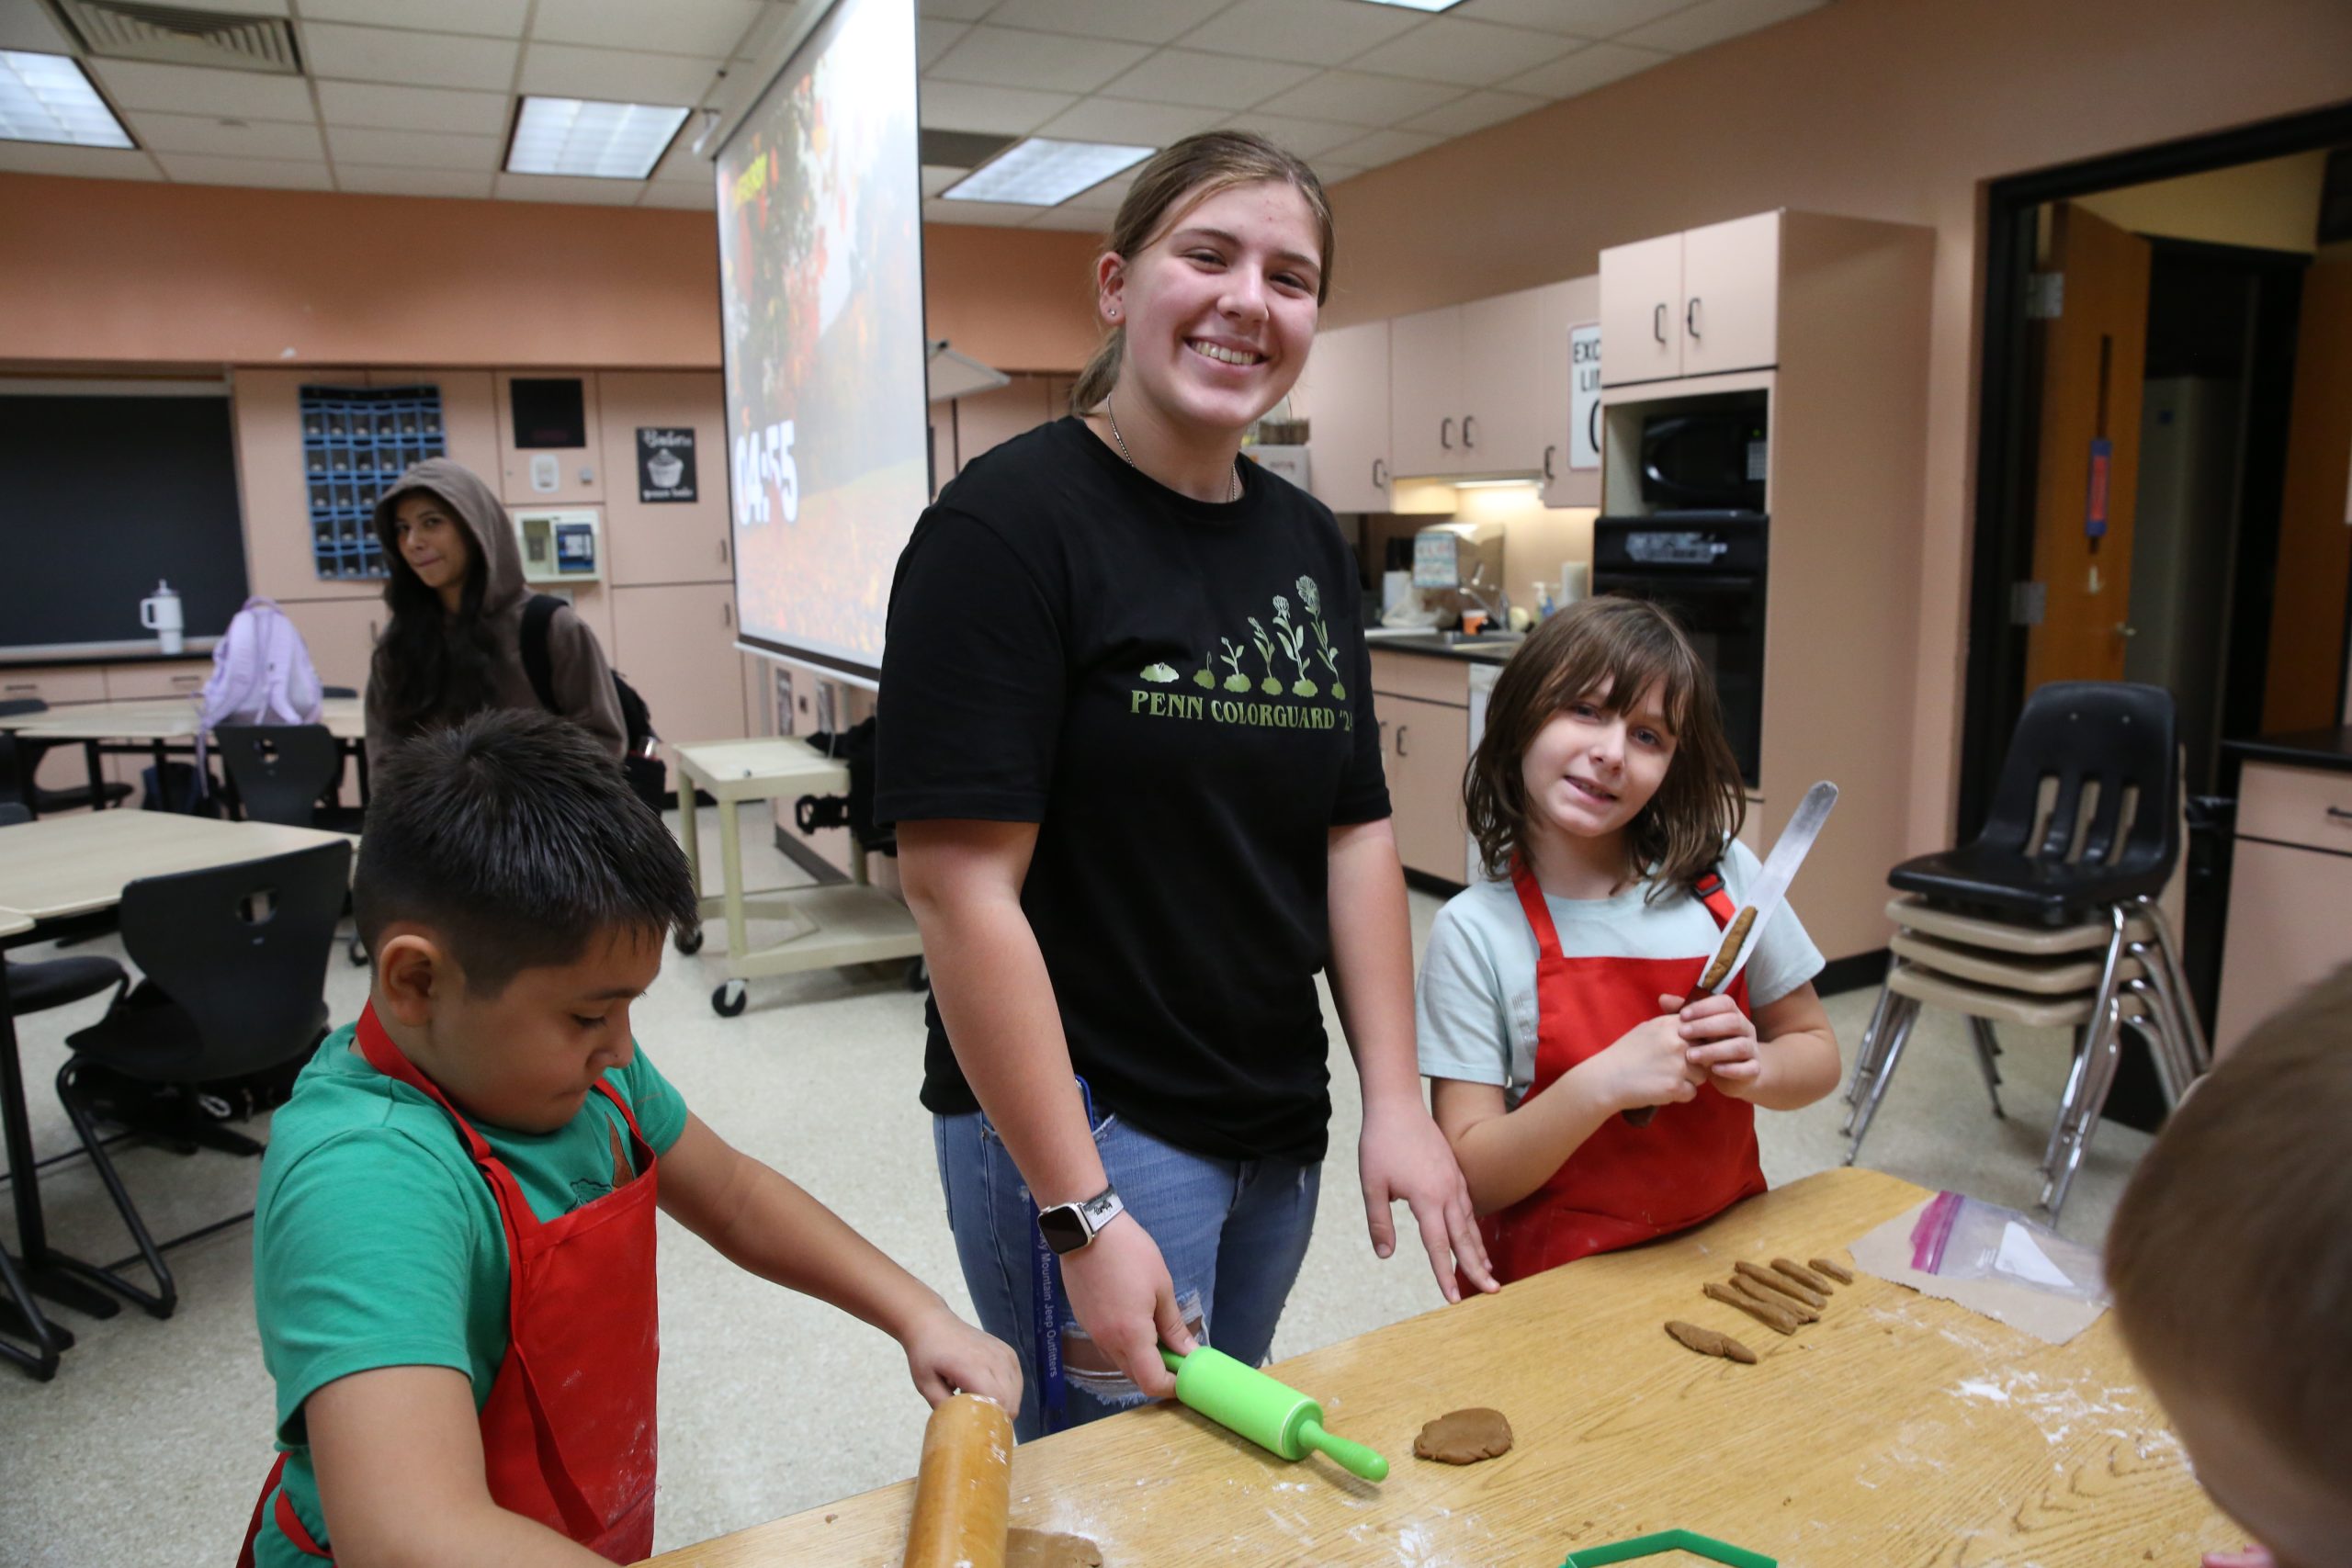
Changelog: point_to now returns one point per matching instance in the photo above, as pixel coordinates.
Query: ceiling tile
(1595, 65)
(380, 180)
(493, 18)
(1578, 18)
(84, 162)
(937, 178)
(417, 148)
(196, 89)
(1332, 174)
(707, 28)
(24, 25)
(619, 75)
(413, 108)
(1053, 62)
(1312, 32)
(424, 60)
(1307, 137)
(981, 214)
(1475, 112)
(704, 196)
(1008, 111)
(934, 39)
(1384, 147)
(1211, 81)
(1711, 21)
(1354, 97)
(1137, 21)
(197, 169)
(682, 162)
(574, 189)
(209, 133)
(1469, 54)
(1132, 124)
(957, 10)
(1078, 220)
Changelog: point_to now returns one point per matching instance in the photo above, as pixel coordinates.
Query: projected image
(820, 278)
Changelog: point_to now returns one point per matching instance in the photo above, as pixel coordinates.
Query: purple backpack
(261, 674)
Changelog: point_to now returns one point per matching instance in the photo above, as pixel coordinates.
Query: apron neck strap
(377, 1045)
(1538, 914)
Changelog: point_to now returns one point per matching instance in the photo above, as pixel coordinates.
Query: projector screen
(820, 280)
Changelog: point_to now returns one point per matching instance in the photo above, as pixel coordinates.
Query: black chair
(236, 959)
(28, 754)
(338, 691)
(283, 772)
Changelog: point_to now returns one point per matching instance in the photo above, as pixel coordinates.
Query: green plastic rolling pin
(1273, 1416)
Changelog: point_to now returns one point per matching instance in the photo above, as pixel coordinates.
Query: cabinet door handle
(727, 612)
(1445, 433)
(2337, 814)
(1547, 463)
(1379, 474)
(722, 549)
(1468, 423)
(1400, 739)
(1657, 321)
(22, 686)
(1691, 316)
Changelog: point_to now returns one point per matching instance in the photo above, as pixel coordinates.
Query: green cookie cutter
(1669, 1541)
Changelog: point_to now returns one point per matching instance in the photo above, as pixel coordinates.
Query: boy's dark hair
(517, 838)
(2230, 1253)
(1627, 645)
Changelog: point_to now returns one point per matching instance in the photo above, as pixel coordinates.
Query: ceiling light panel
(45, 98)
(1419, 5)
(1041, 172)
(601, 141)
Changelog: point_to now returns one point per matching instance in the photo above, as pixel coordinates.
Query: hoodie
(581, 680)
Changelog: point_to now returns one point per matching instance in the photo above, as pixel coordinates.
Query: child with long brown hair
(1605, 801)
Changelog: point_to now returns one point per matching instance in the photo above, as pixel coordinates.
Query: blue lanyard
(1052, 1389)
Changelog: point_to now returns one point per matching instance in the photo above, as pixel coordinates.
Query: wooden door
(265, 406)
(1731, 295)
(1567, 306)
(682, 536)
(1427, 745)
(1425, 392)
(2094, 359)
(2303, 679)
(469, 420)
(341, 636)
(1502, 383)
(1641, 310)
(676, 645)
(578, 470)
(1343, 395)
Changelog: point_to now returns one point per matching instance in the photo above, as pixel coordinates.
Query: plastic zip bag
(1960, 1238)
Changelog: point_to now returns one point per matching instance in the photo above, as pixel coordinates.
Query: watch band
(1068, 1227)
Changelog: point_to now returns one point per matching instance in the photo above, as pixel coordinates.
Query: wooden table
(50, 871)
(159, 726)
(1898, 1432)
(826, 927)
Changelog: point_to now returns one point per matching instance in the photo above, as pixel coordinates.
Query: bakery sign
(665, 465)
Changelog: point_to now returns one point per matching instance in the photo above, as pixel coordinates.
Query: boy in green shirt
(453, 1249)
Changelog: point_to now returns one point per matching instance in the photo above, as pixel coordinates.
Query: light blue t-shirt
(1476, 1010)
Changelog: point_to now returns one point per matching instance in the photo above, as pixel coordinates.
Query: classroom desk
(1897, 1430)
(51, 870)
(159, 726)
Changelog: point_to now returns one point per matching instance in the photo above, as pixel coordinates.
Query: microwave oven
(1708, 460)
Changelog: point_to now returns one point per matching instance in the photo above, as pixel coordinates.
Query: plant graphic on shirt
(1271, 685)
(1205, 676)
(1311, 601)
(1237, 681)
(1292, 638)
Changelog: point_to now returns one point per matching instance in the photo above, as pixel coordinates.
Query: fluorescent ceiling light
(1419, 5)
(581, 136)
(1042, 172)
(45, 98)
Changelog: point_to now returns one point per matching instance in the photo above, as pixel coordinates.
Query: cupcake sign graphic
(665, 465)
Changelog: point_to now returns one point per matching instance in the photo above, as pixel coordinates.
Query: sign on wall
(1584, 397)
(665, 465)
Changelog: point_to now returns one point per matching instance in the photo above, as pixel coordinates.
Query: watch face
(1063, 1230)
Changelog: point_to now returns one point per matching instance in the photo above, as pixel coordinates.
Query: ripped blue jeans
(1233, 1232)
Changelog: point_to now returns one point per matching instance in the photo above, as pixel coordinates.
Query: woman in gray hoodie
(457, 595)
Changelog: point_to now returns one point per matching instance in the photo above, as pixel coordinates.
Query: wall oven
(1708, 568)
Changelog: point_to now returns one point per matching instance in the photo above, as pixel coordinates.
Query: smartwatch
(1067, 1227)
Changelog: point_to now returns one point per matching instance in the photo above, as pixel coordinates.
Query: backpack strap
(537, 614)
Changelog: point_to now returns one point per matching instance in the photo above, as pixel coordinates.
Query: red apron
(1624, 1184)
(568, 1434)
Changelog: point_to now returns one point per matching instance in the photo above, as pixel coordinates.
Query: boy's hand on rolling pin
(1721, 1039)
(1648, 1064)
(945, 1354)
(1120, 1292)
(1403, 1154)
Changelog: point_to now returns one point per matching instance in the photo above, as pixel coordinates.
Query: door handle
(1691, 316)
(1379, 474)
(1400, 739)
(2337, 814)
(722, 549)
(1657, 321)
(727, 612)
(1467, 421)
(1445, 433)
(1547, 463)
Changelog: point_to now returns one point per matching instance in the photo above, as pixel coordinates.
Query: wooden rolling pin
(964, 1491)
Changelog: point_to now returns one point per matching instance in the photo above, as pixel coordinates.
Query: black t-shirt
(1177, 693)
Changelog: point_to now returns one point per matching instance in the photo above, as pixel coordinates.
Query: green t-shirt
(378, 1244)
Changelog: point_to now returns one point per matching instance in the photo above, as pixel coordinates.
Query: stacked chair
(2049, 919)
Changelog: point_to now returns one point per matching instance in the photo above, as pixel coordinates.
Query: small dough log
(1801, 1275)
(1836, 1271)
(1707, 1342)
(964, 1489)
(1772, 1318)
(1728, 954)
(1773, 1299)
(1781, 1282)
(1047, 1549)
(1464, 1437)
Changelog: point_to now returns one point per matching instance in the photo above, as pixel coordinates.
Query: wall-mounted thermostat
(560, 546)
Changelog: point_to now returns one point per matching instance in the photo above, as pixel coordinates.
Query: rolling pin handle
(1352, 1456)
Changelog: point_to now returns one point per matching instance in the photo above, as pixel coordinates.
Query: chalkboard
(100, 497)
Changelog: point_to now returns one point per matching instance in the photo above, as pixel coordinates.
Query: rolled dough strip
(1787, 1287)
(1774, 1300)
(1728, 954)
(1770, 1318)
(1707, 1342)
(1801, 1275)
(964, 1489)
(1836, 1271)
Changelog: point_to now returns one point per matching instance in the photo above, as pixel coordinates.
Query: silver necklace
(1231, 496)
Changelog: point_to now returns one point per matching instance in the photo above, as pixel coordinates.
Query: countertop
(2330, 749)
(1433, 645)
(135, 651)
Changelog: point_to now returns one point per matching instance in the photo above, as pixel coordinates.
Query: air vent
(177, 35)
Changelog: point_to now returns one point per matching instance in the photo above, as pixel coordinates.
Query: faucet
(1495, 601)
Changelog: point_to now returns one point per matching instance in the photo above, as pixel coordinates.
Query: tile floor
(148, 1447)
